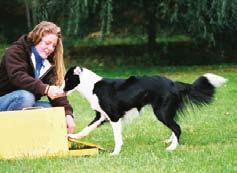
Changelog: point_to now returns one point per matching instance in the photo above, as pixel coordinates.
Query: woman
(33, 67)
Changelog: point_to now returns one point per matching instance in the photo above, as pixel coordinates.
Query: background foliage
(210, 27)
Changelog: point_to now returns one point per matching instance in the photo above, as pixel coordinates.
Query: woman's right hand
(55, 92)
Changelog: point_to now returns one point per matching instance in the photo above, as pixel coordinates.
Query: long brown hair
(40, 31)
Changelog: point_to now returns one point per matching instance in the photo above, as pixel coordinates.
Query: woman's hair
(42, 29)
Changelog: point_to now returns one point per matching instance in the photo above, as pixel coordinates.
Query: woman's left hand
(70, 124)
(55, 92)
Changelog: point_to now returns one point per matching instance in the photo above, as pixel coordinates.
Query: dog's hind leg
(166, 113)
(117, 130)
(176, 134)
(167, 141)
(93, 125)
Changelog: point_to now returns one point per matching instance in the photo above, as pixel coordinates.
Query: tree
(205, 19)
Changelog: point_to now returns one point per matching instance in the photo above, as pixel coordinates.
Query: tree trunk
(34, 11)
(151, 25)
(27, 11)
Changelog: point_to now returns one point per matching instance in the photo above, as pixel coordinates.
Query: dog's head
(72, 78)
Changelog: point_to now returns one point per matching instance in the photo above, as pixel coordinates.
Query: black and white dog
(114, 99)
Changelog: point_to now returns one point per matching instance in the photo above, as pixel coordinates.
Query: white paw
(170, 148)
(174, 142)
(74, 136)
(167, 141)
(114, 153)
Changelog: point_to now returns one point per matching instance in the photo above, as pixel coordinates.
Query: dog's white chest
(95, 103)
(92, 99)
(96, 106)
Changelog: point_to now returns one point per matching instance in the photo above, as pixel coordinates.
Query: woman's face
(47, 45)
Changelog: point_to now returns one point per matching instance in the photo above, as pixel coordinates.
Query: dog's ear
(77, 70)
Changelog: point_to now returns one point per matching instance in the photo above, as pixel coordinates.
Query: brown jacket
(17, 72)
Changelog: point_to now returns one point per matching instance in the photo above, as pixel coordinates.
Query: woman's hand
(70, 124)
(55, 92)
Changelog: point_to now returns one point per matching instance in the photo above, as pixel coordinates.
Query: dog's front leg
(117, 130)
(93, 125)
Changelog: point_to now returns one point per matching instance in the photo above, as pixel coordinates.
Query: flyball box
(37, 133)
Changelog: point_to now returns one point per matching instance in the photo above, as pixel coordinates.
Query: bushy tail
(202, 90)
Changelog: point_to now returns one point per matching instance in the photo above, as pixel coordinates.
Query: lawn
(208, 142)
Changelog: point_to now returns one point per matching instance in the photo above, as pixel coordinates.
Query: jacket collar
(46, 65)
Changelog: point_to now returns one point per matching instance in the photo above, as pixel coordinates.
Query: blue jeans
(19, 99)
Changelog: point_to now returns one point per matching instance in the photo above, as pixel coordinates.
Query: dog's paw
(168, 141)
(74, 136)
(114, 154)
(172, 146)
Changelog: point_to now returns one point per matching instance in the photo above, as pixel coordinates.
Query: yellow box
(36, 133)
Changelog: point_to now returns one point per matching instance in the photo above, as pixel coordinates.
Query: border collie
(114, 99)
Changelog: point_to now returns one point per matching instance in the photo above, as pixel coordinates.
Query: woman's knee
(17, 100)
(26, 98)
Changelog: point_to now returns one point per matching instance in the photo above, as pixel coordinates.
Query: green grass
(208, 142)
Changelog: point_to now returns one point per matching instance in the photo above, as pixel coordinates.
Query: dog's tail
(202, 90)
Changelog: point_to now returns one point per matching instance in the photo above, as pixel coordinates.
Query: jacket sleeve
(20, 71)
(63, 101)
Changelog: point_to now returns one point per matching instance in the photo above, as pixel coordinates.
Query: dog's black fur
(117, 96)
